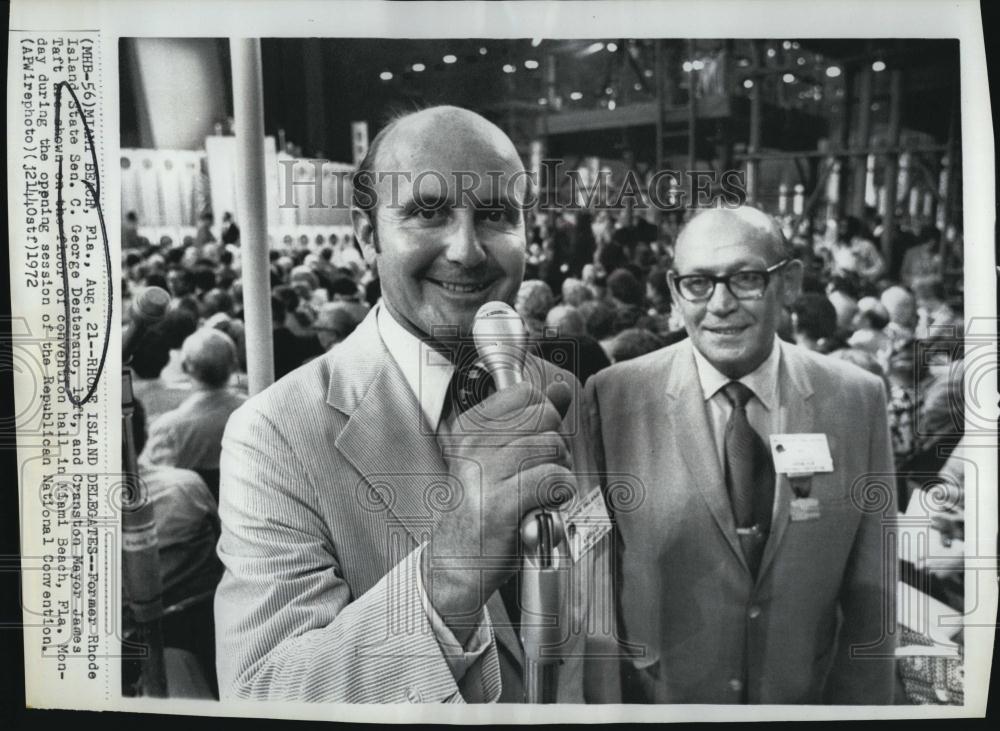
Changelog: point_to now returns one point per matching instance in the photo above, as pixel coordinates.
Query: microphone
(500, 338)
(147, 309)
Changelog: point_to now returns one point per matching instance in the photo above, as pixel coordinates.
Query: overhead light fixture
(418, 67)
(386, 76)
(508, 68)
(637, 86)
(787, 45)
(536, 42)
(611, 104)
(612, 47)
(648, 73)
(576, 96)
(747, 83)
(450, 58)
(878, 66)
(531, 64)
(800, 61)
(771, 53)
(833, 71)
(543, 101)
(697, 64)
(788, 78)
(482, 50)
(593, 48)
(686, 65)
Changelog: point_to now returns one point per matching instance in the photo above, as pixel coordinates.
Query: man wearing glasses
(752, 564)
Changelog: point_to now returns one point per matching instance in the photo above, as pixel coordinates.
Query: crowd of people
(596, 291)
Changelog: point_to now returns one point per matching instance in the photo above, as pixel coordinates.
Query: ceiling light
(878, 66)
(482, 50)
(697, 64)
(747, 83)
(418, 67)
(612, 47)
(449, 58)
(576, 96)
(536, 42)
(531, 64)
(508, 68)
(611, 104)
(788, 78)
(386, 76)
(833, 71)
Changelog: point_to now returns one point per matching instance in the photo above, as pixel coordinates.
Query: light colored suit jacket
(825, 587)
(331, 480)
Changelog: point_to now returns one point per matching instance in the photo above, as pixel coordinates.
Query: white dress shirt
(428, 374)
(762, 409)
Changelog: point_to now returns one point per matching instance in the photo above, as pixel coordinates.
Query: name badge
(586, 523)
(796, 454)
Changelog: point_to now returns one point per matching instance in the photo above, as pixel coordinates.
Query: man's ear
(364, 234)
(791, 278)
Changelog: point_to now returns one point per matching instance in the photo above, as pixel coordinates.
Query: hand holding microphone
(503, 452)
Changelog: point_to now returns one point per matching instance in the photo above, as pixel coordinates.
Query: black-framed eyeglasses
(749, 284)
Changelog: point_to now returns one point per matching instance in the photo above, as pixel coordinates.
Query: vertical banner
(359, 141)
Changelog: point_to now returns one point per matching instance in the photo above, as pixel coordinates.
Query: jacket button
(413, 695)
(736, 685)
(754, 612)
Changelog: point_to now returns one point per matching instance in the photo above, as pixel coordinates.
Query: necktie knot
(469, 385)
(737, 393)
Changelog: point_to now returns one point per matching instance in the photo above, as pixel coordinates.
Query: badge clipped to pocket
(799, 457)
(587, 523)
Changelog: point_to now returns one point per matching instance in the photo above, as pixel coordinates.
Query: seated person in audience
(814, 323)
(566, 343)
(633, 342)
(599, 316)
(901, 306)
(335, 321)
(936, 318)
(869, 334)
(187, 530)
(190, 436)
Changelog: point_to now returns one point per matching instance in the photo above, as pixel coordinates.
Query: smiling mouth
(461, 287)
(736, 330)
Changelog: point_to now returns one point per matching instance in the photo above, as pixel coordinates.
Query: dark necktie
(749, 476)
(468, 387)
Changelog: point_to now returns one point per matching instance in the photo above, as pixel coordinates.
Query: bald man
(371, 500)
(752, 573)
(190, 436)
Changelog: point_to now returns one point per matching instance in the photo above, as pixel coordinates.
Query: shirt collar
(763, 381)
(427, 372)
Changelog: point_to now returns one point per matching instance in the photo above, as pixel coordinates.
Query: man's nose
(722, 301)
(462, 241)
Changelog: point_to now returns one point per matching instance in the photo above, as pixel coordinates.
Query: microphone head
(501, 339)
(151, 304)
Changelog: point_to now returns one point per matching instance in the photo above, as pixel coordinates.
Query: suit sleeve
(868, 592)
(287, 627)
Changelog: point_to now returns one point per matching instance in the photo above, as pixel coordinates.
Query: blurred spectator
(230, 231)
(567, 345)
(575, 292)
(869, 332)
(936, 318)
(190, 436)
(334, 322)
(814, 323)
(534, 300)
(187, 529)
(924, 259)
(599, 317)
(853, 251)
(632, 343)
(204, 233)
(901, 306)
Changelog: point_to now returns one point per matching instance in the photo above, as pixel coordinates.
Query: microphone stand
(540, 603)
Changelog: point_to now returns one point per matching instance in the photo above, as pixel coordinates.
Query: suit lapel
(370, 388)
(795, 416)
(696, 445)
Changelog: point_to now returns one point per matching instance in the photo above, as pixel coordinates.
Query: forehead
(448, 150)
(721, 242)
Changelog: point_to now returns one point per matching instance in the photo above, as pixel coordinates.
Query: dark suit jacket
(688, 600)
